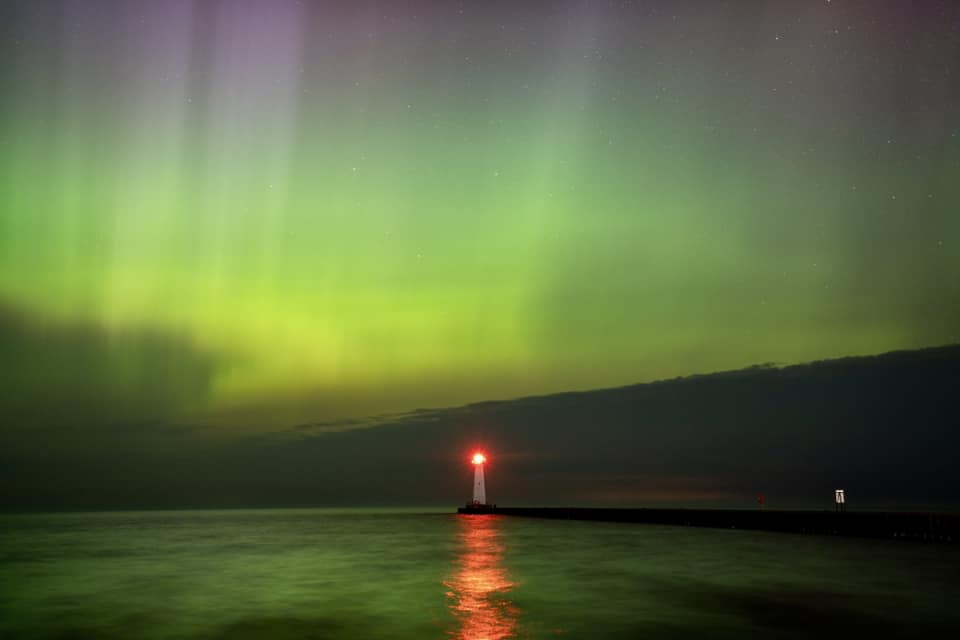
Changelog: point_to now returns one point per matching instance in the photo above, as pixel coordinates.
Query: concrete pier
(929, 527)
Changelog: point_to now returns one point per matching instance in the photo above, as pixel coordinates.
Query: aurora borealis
(249, 215)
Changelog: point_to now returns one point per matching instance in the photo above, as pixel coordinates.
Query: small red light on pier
(479, 458)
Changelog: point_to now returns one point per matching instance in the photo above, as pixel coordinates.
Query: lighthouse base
(476, 508)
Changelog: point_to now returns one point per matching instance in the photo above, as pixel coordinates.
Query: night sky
(221, 222)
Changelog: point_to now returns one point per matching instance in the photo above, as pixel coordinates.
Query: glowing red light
(479, 458)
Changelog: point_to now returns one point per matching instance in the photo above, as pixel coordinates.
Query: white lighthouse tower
(479, 504)
(479, 488)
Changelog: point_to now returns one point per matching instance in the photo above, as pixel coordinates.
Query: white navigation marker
(479, 489)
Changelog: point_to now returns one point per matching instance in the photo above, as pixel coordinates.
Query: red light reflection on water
(478, 591)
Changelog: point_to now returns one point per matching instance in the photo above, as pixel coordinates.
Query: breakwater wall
(930, 527)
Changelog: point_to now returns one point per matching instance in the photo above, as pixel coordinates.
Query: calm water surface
(361, 574)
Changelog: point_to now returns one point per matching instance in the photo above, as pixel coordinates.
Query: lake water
(363, 574)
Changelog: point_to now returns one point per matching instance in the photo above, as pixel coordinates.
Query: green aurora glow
(366, 210)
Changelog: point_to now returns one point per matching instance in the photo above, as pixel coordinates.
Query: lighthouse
(479, 504)
(479, 488)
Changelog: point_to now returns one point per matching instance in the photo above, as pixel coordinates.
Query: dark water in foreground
(360, 574)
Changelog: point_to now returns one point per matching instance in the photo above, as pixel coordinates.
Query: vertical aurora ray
(369, 208)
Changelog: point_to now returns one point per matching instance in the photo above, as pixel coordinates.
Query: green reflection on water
(364, 574)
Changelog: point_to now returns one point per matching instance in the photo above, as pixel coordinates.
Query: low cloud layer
(883, 427)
